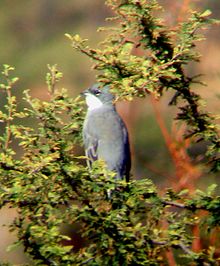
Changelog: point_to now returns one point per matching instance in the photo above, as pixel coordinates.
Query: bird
(105, 135)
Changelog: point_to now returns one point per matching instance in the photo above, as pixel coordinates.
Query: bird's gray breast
(105, 137)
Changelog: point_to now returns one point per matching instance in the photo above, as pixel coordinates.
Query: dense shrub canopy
(50, 186)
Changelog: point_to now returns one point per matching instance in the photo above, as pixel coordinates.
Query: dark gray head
(97, 95)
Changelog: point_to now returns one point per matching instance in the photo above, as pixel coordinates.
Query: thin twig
(186, 249)
(86, 261)
(175, 204)
(8, 122)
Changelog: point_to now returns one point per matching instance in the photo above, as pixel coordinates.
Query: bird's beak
(84, 93)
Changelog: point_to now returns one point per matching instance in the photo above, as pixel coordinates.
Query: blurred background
(32, 36)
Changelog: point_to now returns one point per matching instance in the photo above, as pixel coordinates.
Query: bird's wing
(91, 145)
(127, 154)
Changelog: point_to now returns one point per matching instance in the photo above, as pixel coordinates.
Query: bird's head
(97, 96)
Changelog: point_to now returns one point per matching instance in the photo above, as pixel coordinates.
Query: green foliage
(50, 186)
(164, 53)
(48, 158)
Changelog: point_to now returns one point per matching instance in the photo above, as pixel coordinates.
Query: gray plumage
(105, 134)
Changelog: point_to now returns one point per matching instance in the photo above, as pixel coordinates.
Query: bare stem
(186, 249)
(175, 204)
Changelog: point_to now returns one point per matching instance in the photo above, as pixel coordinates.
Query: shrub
(49, 185)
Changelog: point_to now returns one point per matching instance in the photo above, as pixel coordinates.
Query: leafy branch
(165, 53)
(10, 107)
(49, 187)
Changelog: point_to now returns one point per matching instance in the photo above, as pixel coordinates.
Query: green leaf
(206, 13)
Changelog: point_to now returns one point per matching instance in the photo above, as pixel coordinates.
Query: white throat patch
(92, 102)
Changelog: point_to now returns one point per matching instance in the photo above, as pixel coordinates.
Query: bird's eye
(97, 91)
